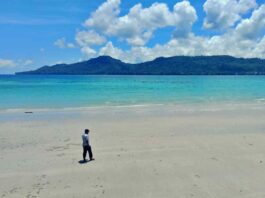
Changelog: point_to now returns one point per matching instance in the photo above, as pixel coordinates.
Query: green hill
(177, 65)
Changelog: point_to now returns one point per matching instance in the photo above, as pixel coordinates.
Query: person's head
(86, 131)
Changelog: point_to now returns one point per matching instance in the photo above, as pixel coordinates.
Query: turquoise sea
(22, 92)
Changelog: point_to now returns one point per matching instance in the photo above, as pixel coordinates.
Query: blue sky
(34, 33)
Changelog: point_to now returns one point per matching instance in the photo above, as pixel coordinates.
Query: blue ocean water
(85, 91)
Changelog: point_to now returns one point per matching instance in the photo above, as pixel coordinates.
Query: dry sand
(155, 151)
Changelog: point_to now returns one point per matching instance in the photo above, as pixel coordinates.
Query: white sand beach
(153, 151)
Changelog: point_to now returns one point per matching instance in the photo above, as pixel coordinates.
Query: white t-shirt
(85, 139)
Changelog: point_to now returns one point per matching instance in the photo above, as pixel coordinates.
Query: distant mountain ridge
(176, 65)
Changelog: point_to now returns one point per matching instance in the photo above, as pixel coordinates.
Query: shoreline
(179, 105)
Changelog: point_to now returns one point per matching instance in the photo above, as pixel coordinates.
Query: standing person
(86, 146)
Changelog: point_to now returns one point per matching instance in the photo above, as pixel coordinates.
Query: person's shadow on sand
(84, 162)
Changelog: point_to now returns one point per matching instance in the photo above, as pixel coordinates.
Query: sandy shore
(155, 151)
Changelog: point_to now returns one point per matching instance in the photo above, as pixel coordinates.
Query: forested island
(177, 65)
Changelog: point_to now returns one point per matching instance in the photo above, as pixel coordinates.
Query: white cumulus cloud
(222, 14)
(112, 51)
(138, 25)
(89, 38)
(61, 43)
(254, 26)
(104, 15)
(185, 16)
(86, 40)
(242, 23)
(88, 52)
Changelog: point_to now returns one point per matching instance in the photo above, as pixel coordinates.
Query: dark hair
(86, 130)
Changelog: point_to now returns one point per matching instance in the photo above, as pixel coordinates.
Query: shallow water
(85, 91)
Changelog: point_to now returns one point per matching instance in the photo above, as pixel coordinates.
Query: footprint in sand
(38, 186)
(67, 140)
(13, 190)
(214, 158)
(58, 148)
(5, 193)
(197, 176)
(67, 186)
(31, 196)
(155, 172)
(60, 154)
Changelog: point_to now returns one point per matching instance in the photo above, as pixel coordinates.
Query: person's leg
(90, 152)
(84, 152)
